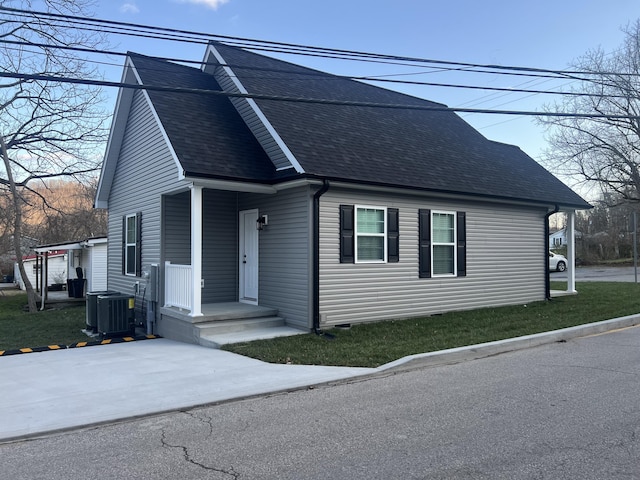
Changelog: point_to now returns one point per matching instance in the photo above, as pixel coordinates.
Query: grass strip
(374, 344)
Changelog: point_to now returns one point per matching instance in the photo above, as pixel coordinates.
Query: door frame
(253, 214)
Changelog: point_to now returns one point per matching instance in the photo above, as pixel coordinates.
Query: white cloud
(129, 8)
(213, 4)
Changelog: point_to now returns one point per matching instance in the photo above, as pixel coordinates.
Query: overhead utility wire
(307, 53)
(393, 106)
(311, 74)
(293, 48)
(364, 78)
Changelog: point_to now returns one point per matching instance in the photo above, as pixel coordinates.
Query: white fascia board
(62, 246)
(254, 106)
(232, 186)
(91, 242)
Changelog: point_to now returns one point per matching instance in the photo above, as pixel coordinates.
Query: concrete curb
(472, 352)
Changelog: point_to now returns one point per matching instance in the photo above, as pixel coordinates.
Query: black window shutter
(124, 244)
(424, 243)
(393, 236)
(462, 243)
(346, 234)
(138, 244)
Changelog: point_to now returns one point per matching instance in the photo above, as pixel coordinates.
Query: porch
(224, 323)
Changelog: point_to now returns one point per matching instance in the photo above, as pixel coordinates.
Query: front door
(248, 256)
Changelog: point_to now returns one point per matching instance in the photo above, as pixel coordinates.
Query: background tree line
(57, 211)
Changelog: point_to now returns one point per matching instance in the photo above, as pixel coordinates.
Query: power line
(507, 90)
(288, 48)
(320, 101)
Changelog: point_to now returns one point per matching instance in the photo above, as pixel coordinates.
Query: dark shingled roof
(206, 132)
(417, 149)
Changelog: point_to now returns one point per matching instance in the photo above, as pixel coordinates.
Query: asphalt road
(600, 274)
(566, 410)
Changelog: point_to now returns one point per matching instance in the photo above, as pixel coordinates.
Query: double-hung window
(442, 245)
(131, 244)
(371, 234)
(443, 228)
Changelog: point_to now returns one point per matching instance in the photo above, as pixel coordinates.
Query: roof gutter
(316, 255)
(547, 281)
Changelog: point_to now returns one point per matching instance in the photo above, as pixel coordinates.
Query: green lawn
(366, 345)
(374, 344)
(19, 329)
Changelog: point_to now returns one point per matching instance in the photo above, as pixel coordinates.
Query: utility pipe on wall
(316, 255)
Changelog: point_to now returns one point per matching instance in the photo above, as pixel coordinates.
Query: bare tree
(602, 151)
(49, 129)
(67, 213)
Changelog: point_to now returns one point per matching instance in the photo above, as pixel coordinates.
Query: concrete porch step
(216, 340)
(238, 325)
(219, 312)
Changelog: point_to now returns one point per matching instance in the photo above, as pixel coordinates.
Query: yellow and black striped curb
(106, 341)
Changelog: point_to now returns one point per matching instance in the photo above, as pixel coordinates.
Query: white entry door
(248, 256)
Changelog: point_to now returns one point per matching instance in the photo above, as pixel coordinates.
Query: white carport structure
(86, 259)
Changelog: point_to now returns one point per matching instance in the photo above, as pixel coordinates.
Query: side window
(371, 238)
(369, 234)
(131, 244)
(442, 248)
(443, 234)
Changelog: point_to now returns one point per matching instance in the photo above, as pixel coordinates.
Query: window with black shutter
(132, 244)
(369, 234)
(442, 243)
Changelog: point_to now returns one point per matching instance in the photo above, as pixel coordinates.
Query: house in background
(61, 262)
(559, 238)
(258, 188)
(33, 265)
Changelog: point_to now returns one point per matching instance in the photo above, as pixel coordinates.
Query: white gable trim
(116, 134)
(256, 109)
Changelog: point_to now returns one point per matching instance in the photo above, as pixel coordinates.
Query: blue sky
(544, 34)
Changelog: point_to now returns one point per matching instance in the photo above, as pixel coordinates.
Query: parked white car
(557, 262)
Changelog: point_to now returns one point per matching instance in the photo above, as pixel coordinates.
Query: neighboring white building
(559, 239)
(63, 261)
(33, 264)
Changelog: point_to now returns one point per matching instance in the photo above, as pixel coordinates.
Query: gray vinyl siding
(177, 228)
(220, 247)
(254, 123)
(505, 263)
(145, 170)
(219, 241)
(285, 253)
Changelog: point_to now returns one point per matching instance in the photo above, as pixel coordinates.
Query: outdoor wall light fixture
(263, 221)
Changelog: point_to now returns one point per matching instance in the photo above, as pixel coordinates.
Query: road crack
(185, 450)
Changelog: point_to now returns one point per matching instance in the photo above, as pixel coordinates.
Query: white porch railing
(177, 285)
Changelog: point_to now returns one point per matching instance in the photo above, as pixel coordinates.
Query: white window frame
(357, 235)
(128, 244)
(452, 244)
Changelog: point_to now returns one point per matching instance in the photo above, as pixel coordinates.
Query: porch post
(571, 251)
(196, 251)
